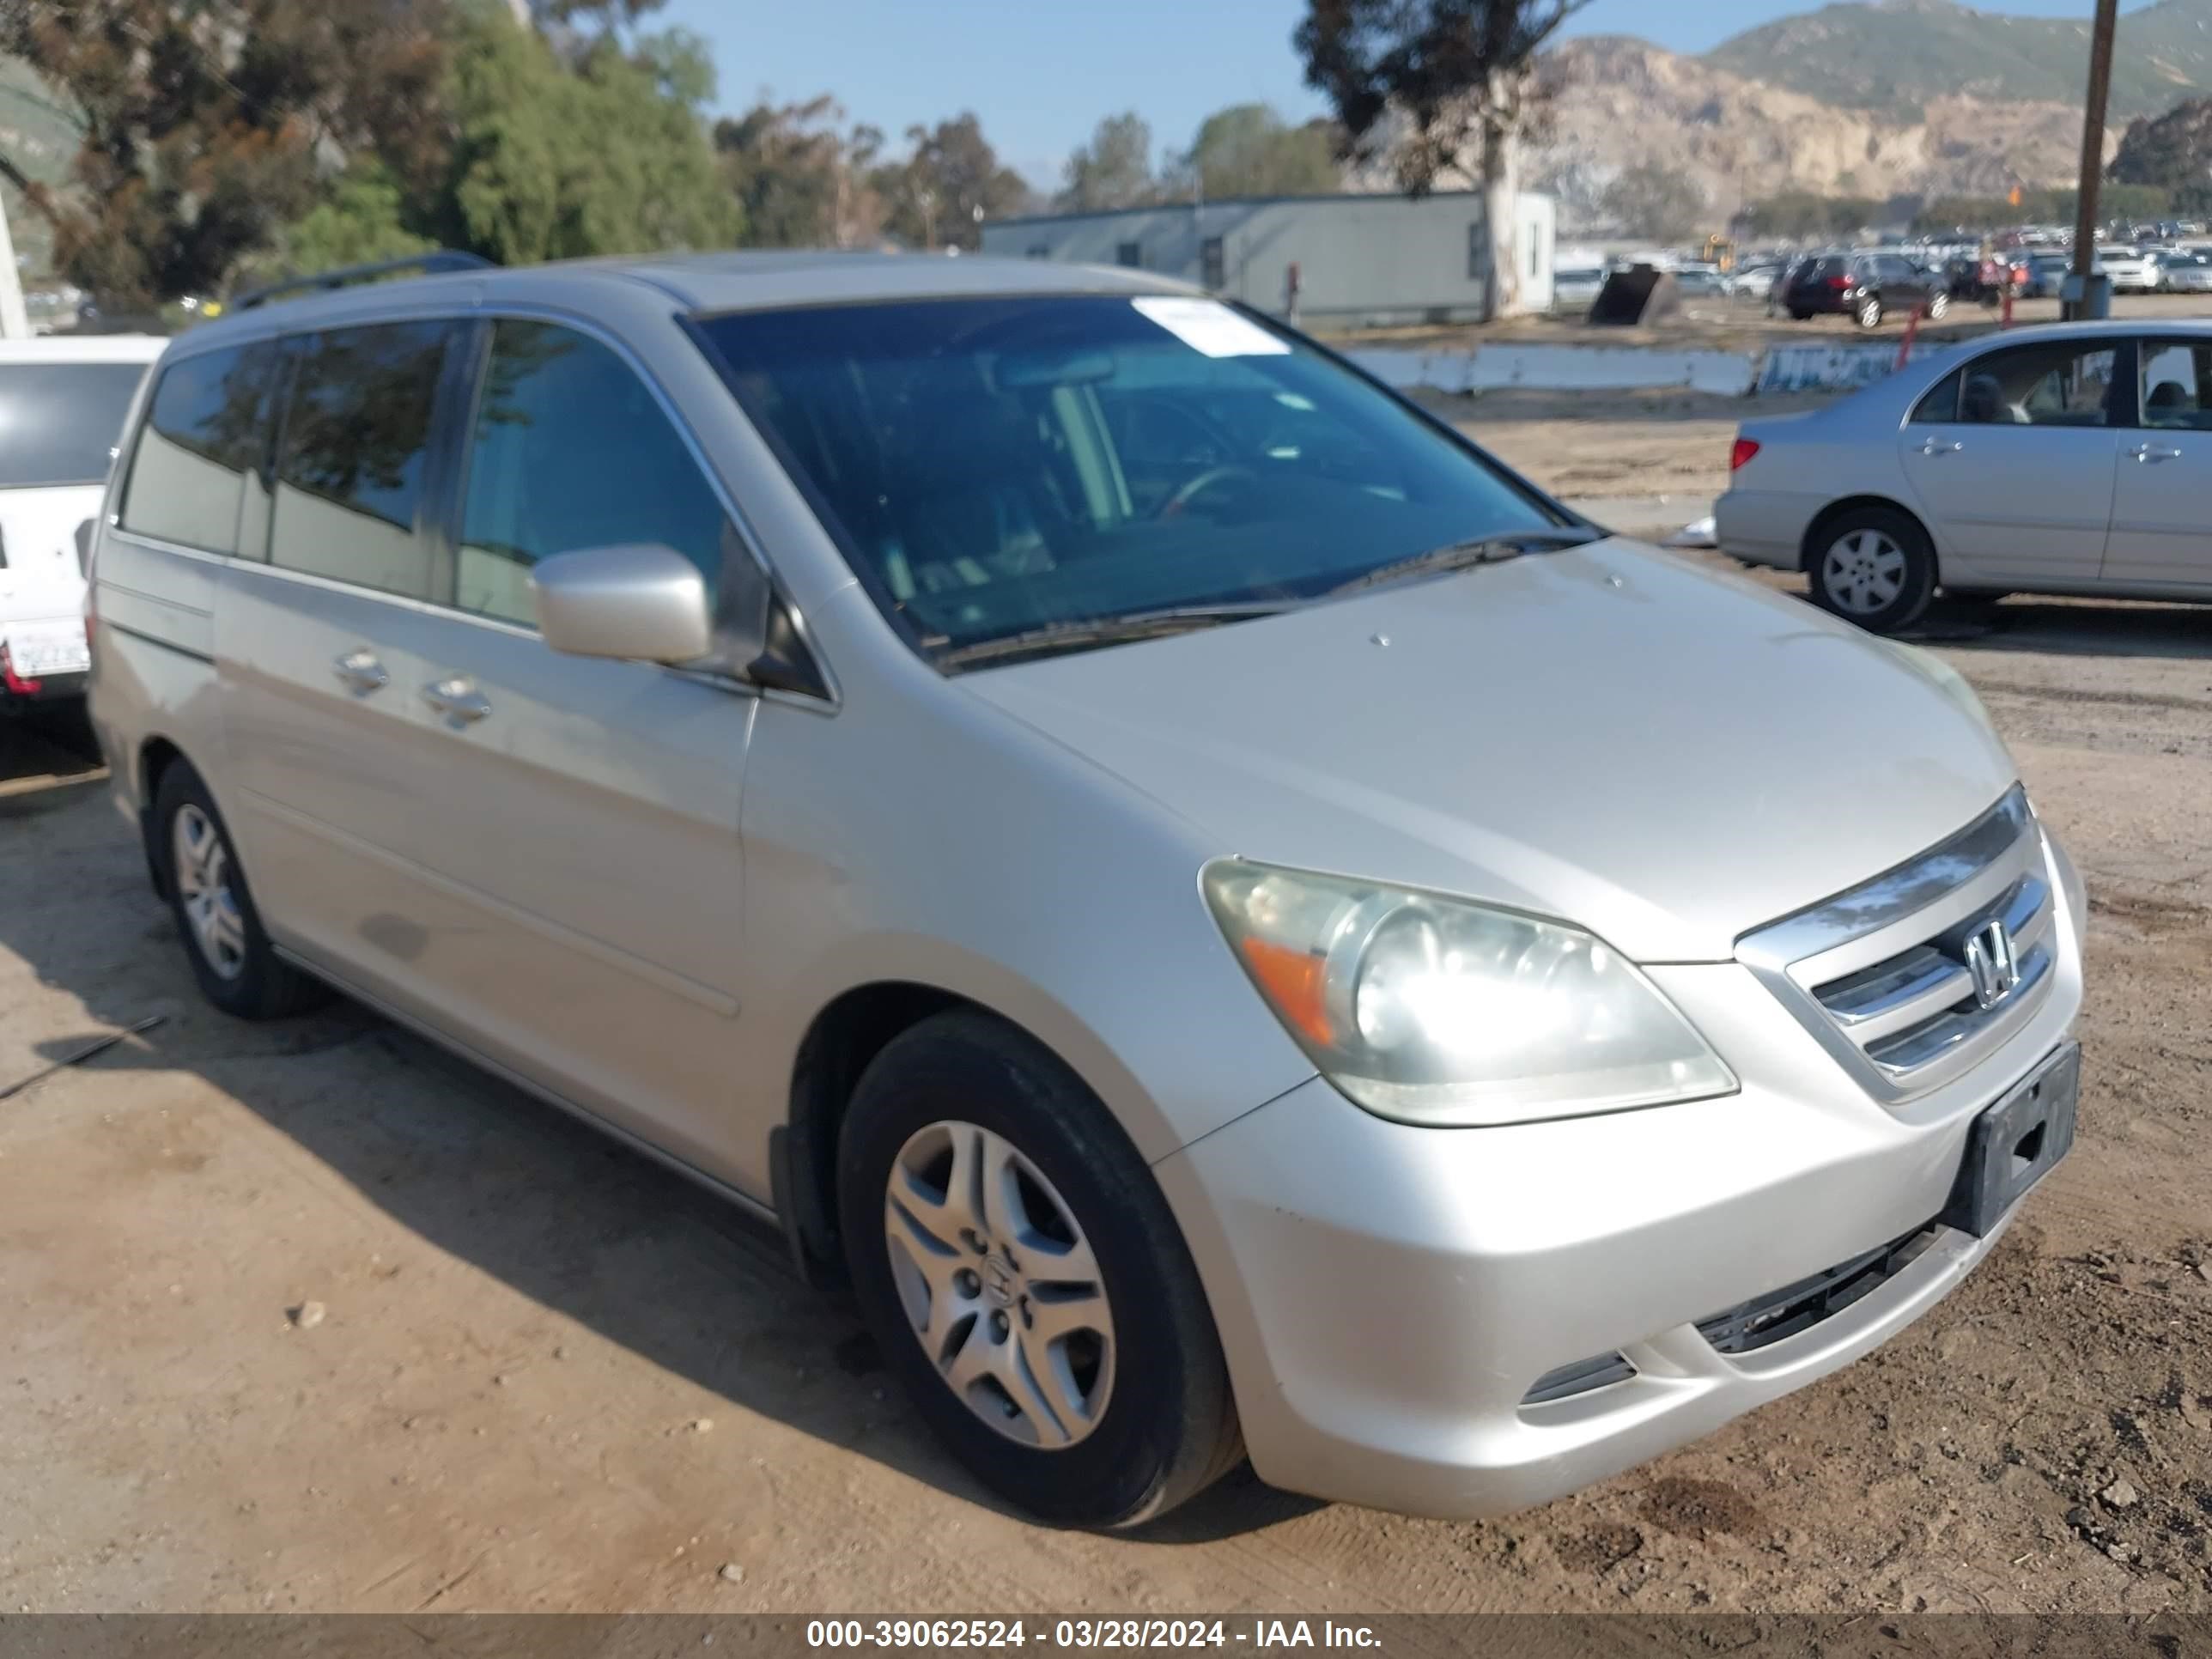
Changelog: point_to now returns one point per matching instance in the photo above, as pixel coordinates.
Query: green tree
(363, 218)
(798, 180)
(1426, 81)
(204, 124)
(1113, 170)
(1653, 200)
(940, 195)
(1248, 150)
(552, 162)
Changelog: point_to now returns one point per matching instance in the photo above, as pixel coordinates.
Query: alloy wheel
(203, 873)
(1864, 572)
(1000, 1286)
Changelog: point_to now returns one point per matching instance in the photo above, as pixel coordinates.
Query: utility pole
(2089, 293)
(14, 325)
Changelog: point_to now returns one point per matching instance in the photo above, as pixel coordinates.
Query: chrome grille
(1912, 977)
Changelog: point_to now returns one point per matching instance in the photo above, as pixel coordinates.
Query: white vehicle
(1752, 282)
(2184, 270)
(2130, 269)
(62, 404)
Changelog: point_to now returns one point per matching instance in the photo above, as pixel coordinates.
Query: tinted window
(995, 465)
(2060, 384)
(1940, 404)
(2176, 376)
(571, 451)
(59, 421)
(356, 447)
(207, 426)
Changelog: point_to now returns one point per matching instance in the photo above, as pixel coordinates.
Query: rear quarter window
(1941, 404)
(205, 429)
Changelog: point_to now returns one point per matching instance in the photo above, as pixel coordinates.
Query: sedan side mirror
(639, 602)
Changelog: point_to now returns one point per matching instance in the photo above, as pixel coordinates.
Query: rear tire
(1873, 566)
(1126, 1413)
(1939, 307)
(237, 966)
(1870, 313)
(1797, 316)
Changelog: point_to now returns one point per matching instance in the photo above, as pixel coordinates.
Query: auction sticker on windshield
(1212, 327)
(39, 648)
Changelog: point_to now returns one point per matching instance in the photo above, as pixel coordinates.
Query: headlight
(1431, 1010)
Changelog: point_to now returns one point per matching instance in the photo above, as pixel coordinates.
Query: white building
(1361, 260)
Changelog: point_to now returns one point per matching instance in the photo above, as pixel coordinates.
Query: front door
(578, 825)
(2011, 459)
(2162, 506)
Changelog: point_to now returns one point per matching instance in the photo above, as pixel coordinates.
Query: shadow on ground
(479, 1170)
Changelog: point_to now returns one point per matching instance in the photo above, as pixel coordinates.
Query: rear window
(207, 426)
(60, 421)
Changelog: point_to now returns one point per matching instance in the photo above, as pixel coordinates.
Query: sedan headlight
(1431, 1010)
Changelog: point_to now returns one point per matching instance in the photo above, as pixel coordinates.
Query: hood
(1665, 756)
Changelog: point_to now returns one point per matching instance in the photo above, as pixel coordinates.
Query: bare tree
(1431, 80)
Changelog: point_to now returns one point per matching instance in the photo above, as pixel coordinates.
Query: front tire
(237, 967)
(1026, 1282)
(1870, 313)
(1874, 566)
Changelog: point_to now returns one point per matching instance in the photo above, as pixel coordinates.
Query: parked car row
(1026, 777)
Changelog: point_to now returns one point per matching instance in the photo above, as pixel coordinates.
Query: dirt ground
(536, 1372)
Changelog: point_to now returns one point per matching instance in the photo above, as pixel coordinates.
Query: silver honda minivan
(1231, 922)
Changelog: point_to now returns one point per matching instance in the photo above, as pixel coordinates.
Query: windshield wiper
(1463, 556)
(1107, 630)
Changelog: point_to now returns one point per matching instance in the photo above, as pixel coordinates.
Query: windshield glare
(993, 466)
(59, 421)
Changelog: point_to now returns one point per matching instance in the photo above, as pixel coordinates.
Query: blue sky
(1040, 73)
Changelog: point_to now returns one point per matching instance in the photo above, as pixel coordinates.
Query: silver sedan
(2076, 458)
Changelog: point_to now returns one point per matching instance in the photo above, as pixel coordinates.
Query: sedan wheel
(1874, 566)
(1939, 307)
(999, 1284)
(1869, 313)
(1865, 570)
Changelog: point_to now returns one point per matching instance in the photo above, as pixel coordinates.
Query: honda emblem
(1991, 960)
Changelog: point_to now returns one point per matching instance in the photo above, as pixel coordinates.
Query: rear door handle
(1940, 446)
(456, 699)
(2152, 454)
(361, 672)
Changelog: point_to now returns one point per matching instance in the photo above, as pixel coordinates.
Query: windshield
(994, 466)
(59, 421)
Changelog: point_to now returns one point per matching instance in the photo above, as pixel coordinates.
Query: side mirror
(643, 603)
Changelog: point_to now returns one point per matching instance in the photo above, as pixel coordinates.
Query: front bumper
(1388, 1295)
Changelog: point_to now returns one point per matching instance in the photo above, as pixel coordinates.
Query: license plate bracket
(2015, 1143)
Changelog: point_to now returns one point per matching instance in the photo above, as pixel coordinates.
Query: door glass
(2174, 376)
(356, 445)
(2061, 384)
(570, 450)
(207, 426)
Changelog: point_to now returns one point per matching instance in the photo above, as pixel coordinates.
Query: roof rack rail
(427, 265)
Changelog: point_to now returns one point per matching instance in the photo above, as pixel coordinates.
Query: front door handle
(2152, 454)
(1940, 446)
(361, 672)
(456, 699)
